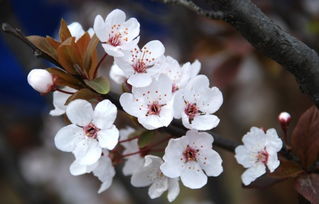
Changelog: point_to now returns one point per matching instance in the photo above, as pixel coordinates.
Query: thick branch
(268, 38)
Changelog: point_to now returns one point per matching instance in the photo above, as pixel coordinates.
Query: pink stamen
(263, 156)
(91, 130)
(191, 110)
(115, 40)
(190, 154)
(154, 108)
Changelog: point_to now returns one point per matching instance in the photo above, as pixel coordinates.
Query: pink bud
(41, 80)
(284, 118)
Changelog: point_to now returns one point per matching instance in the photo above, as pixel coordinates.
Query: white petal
(203, 122)
(158, 188)
(113, 51)
(273, 161)
(87, 151)
(255, 139)
(211, 162)
(117, 16)
(132, 165)
(129, 105)
(76, 30)
(133, 28)
(212, 101)
(77, 169)
(100, 28)
(104, 114)
(193, 176)
(80, 112)
(245, 157)
(198, 82)
(179, 104)
(156, 47)
(173, 189)
(273, 140)
(59, 100)
(199, 140)
(253, 173)
(108, 138)
(105, 172)
(65, 137)
(140, 79)
(117, 75)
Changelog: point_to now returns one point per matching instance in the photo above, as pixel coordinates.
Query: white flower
(89, 132)
(259, 150)
(152, 105)
(133, 163)
(59, 99)
(196, 103)
(41, 80)
(189, 156)
(117, 74)
(103, 169)
(141, 65)
(150, 174)
(77, 31)
(180, 75)
(115, 33)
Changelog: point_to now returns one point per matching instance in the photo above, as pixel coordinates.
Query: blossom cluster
(158, 90)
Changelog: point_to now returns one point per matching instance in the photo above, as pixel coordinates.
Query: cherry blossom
(141, 65)
(41, 80)
(284, 118)
(59, 100)
(133, 162)
(151, 175)
(77, 31)
(196, 103)
(259, 150)
(188, 157)
(89, 132)
(152, 105)
(103, 169)
(115, 33)
(180, 75)
(117, 74)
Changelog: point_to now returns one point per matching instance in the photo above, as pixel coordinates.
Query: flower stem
(63, 91)
(129, 139)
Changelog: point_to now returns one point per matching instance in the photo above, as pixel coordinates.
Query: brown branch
(268, 38)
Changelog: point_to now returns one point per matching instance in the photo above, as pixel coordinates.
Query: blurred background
(256, 89)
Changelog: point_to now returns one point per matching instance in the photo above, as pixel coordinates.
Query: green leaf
(85, 94)
(101, 85)
(145, 138)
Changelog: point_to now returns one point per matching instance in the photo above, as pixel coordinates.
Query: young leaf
(64, 79)
(44, 45)
(145, 138)
(64, 31)
(308, 186)
(287, 169)
(305, 137)
(86, 94)
(90, 57)
(101, 85)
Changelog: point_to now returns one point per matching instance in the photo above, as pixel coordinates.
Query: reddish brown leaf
(64, 31)
(64, 79)
(83, 43)
(44, 45)
(308, 186)
(287, 169)
(90, 58)
(55, 44)
(86, 94)
(69, 56)
(305, 137)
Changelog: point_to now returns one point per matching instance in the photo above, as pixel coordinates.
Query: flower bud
(284, 118)
(41, 80)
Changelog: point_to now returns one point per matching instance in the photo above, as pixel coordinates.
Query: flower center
(140, 66)
(189, 154)
(115, 40)
(262, 156)
(154, 108)
(191, 110)
(91, 130)
(174, 88)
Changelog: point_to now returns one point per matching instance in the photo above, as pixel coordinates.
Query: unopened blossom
(115, 33)
(134, 162)
(59, 100)
(103, 169)
(196, 103)
(259, 150)
(152, 105)
(180, 75)
(284, 118)
(41, 80)
(141, 65)
(77, 31)
(192, 158)
(90, 131)
(151, 175)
